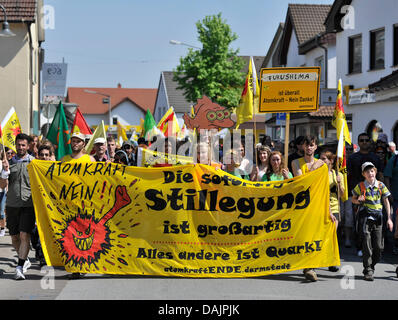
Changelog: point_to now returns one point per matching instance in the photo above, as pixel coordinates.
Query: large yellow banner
(188, 221)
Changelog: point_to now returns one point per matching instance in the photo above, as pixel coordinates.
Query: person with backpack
(370, 195)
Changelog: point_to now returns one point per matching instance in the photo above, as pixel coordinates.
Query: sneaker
(310, 274)
(19, 273)
(368, 277)
(360, 253)
(333, 269)
(76, 275)
(26, 265)
(2, 232)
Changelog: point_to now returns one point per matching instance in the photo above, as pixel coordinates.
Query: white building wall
(128, 114)
(369, 15)
(293, 58)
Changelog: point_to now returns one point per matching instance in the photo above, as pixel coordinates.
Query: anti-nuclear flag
(168, 125)
(248, 104)
(185, 221)
(343, 136)
(80, 125)
(58, 134)
(10, 128)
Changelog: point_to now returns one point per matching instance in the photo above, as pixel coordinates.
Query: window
(377, 49)
(355, 54)
(114, 121)
(395, 53)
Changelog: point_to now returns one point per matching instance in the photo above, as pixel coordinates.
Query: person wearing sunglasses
(354, 177)
(129, 148)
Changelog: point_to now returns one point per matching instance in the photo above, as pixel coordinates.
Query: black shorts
(20, 220)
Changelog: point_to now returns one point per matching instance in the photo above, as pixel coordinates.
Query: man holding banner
(19, 206)
(305, 165)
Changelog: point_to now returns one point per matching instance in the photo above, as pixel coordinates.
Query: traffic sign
(289, 89)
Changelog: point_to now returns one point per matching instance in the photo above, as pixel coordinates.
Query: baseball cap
(367, 165)
(100, 140)
(78, 135)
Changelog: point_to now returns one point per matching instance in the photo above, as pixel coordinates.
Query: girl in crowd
(262, 153)
(277, 170)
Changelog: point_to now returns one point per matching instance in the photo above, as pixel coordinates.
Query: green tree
(215, 70)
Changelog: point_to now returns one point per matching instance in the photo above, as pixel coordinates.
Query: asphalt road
(53, 284)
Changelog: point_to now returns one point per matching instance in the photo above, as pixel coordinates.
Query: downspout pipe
(317, 39)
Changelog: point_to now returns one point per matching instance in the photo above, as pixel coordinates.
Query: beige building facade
(21, 57)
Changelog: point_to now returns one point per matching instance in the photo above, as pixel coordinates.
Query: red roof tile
(19, 10)
(323, 112)
(90, 103)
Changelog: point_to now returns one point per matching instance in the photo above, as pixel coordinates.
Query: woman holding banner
(262, 164)
(277, 170)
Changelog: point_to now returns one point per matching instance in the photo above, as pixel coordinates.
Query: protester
(100, 150)
(3, 197)
(9, 153)
(302, 166)
(246, 165)
(308, 162)
(128, 147)
(336, 187)
(346, 211)
(52, 149)
(354, 177)
(391, 182)
(111, 143)
(77, 143)
(392, 150)
(368, 196)
(45, 153)
(232, 163)
(33, 145)
(299, 152)
(262, 164)
(121, 157)
(277, 170)
(20, 213)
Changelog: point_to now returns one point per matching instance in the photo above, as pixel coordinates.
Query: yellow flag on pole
(100, 132)
(248, 104)
(343, 136)
(10, 128)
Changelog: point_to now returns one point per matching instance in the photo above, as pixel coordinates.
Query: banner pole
(287, 129)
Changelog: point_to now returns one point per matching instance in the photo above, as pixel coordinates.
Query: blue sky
(127, 41)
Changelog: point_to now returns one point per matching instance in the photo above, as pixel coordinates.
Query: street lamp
(176, 42)
(108, 100)
(6, 32)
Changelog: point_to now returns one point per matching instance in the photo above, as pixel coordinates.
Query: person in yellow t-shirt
(78, 153)
(302, 166)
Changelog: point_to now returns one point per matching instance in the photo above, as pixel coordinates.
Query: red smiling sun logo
(85, 238)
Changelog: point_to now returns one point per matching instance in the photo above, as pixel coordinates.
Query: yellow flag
(10, 128)
(248, 104)
(100, 132)
(121, 132)
(339, 119)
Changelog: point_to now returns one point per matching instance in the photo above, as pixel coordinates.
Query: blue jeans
(3, 197)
